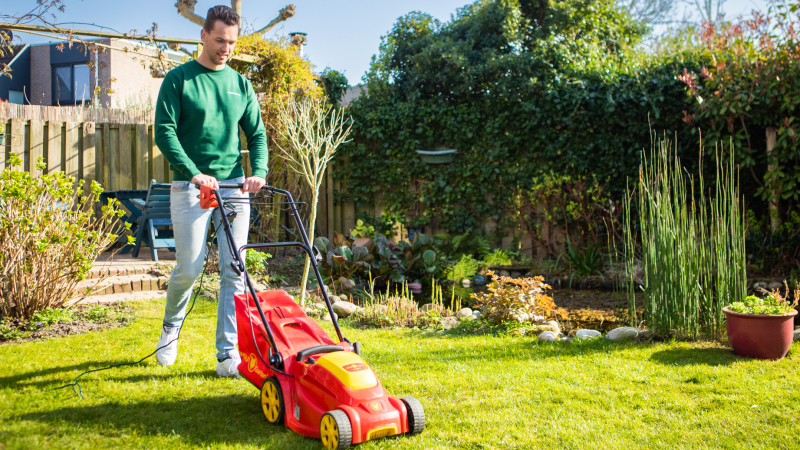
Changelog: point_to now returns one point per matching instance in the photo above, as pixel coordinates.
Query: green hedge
(517, 99)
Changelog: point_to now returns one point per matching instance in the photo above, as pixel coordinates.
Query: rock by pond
(449, 322)
(547, 336)
(464, 312)
(587, 334)
(344, 309)
(622, 334)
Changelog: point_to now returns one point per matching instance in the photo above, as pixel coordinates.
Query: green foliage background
(520, 89)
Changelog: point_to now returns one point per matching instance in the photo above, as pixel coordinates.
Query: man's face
(219, 43)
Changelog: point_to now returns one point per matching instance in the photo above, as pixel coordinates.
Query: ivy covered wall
(521, 89)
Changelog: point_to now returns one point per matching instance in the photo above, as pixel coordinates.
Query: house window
(71, 84)
(17, 97)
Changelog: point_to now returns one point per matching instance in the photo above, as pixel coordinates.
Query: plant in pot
(762, 327)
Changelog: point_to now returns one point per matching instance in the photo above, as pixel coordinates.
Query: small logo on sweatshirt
(234, 93)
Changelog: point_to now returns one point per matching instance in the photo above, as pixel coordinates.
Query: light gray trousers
(190, 226)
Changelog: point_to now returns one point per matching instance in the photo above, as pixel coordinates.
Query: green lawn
(478, 392)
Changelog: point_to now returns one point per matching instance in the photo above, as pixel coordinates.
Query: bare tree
(310, 133)
(650, 12)
(186, 9)
(709, 10)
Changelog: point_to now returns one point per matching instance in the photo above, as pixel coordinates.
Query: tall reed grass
(690, 244)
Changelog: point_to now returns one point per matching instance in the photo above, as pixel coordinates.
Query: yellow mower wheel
(335, 430)
(272, 401)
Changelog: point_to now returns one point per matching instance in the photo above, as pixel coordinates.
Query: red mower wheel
(416, 415)
(272, 401)
(335, 430)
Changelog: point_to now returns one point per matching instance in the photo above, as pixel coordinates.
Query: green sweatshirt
(198, 115)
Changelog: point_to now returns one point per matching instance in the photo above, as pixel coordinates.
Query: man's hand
(253, 184)
(205, 180)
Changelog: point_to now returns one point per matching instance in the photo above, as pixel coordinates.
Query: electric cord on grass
(75, 383)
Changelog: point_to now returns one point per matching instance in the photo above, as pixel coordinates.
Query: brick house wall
(41, 83)
(133, 85)
(129, 79)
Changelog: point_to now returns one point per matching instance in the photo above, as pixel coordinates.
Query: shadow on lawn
(22, 380)
(712, 356)
(231, 419)
(25, 380)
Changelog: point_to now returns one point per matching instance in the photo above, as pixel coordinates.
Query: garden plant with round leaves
(50, 235)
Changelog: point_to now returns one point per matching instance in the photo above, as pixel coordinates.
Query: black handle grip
(311, 351)
(234, 186)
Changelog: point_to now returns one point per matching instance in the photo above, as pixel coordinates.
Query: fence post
(141, 157)
(72, 150)
(53, 149)
(18, 138)
(36, 141)
(125, 175)
(89, 158)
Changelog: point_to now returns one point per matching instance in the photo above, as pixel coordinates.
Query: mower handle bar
(239, 266)
(233, 186)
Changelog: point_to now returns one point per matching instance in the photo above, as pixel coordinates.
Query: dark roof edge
(24, 46)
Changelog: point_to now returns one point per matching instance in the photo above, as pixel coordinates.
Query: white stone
(327, 317)
(587, 334)
(503, 273)
(466, 282)
(346, 283)
(565, 340)
(644, 334)
(760, 285)
(320, 305)
(775, 285)
(476, 315)
(449, 322)
(464, 312)
(554, 324)
(344, 309)
(548, 336)
(622, 334)
(344, 298)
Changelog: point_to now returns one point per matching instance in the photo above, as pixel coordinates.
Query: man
(201, 106)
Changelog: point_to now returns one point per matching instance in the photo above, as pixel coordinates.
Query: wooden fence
(124, 156)
(77, 114)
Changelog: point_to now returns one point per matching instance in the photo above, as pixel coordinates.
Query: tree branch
(284, 14)
(186, 9)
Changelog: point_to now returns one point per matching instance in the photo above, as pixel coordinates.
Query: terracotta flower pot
(760, 336)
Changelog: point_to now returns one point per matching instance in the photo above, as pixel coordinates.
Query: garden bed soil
(65, 329)
(122, 318)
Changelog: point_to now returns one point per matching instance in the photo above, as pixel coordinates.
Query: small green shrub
(10, 330)
(50, 316)
(773, 304)
(255, 262)
(496, 258)
(467, 267)
(768, 305)
(514, 299)
(584, 262)
(99, 314)
(50, 235)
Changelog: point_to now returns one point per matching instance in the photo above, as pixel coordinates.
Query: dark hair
(223, 13)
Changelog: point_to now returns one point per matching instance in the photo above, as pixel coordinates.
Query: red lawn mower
(317, 387)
